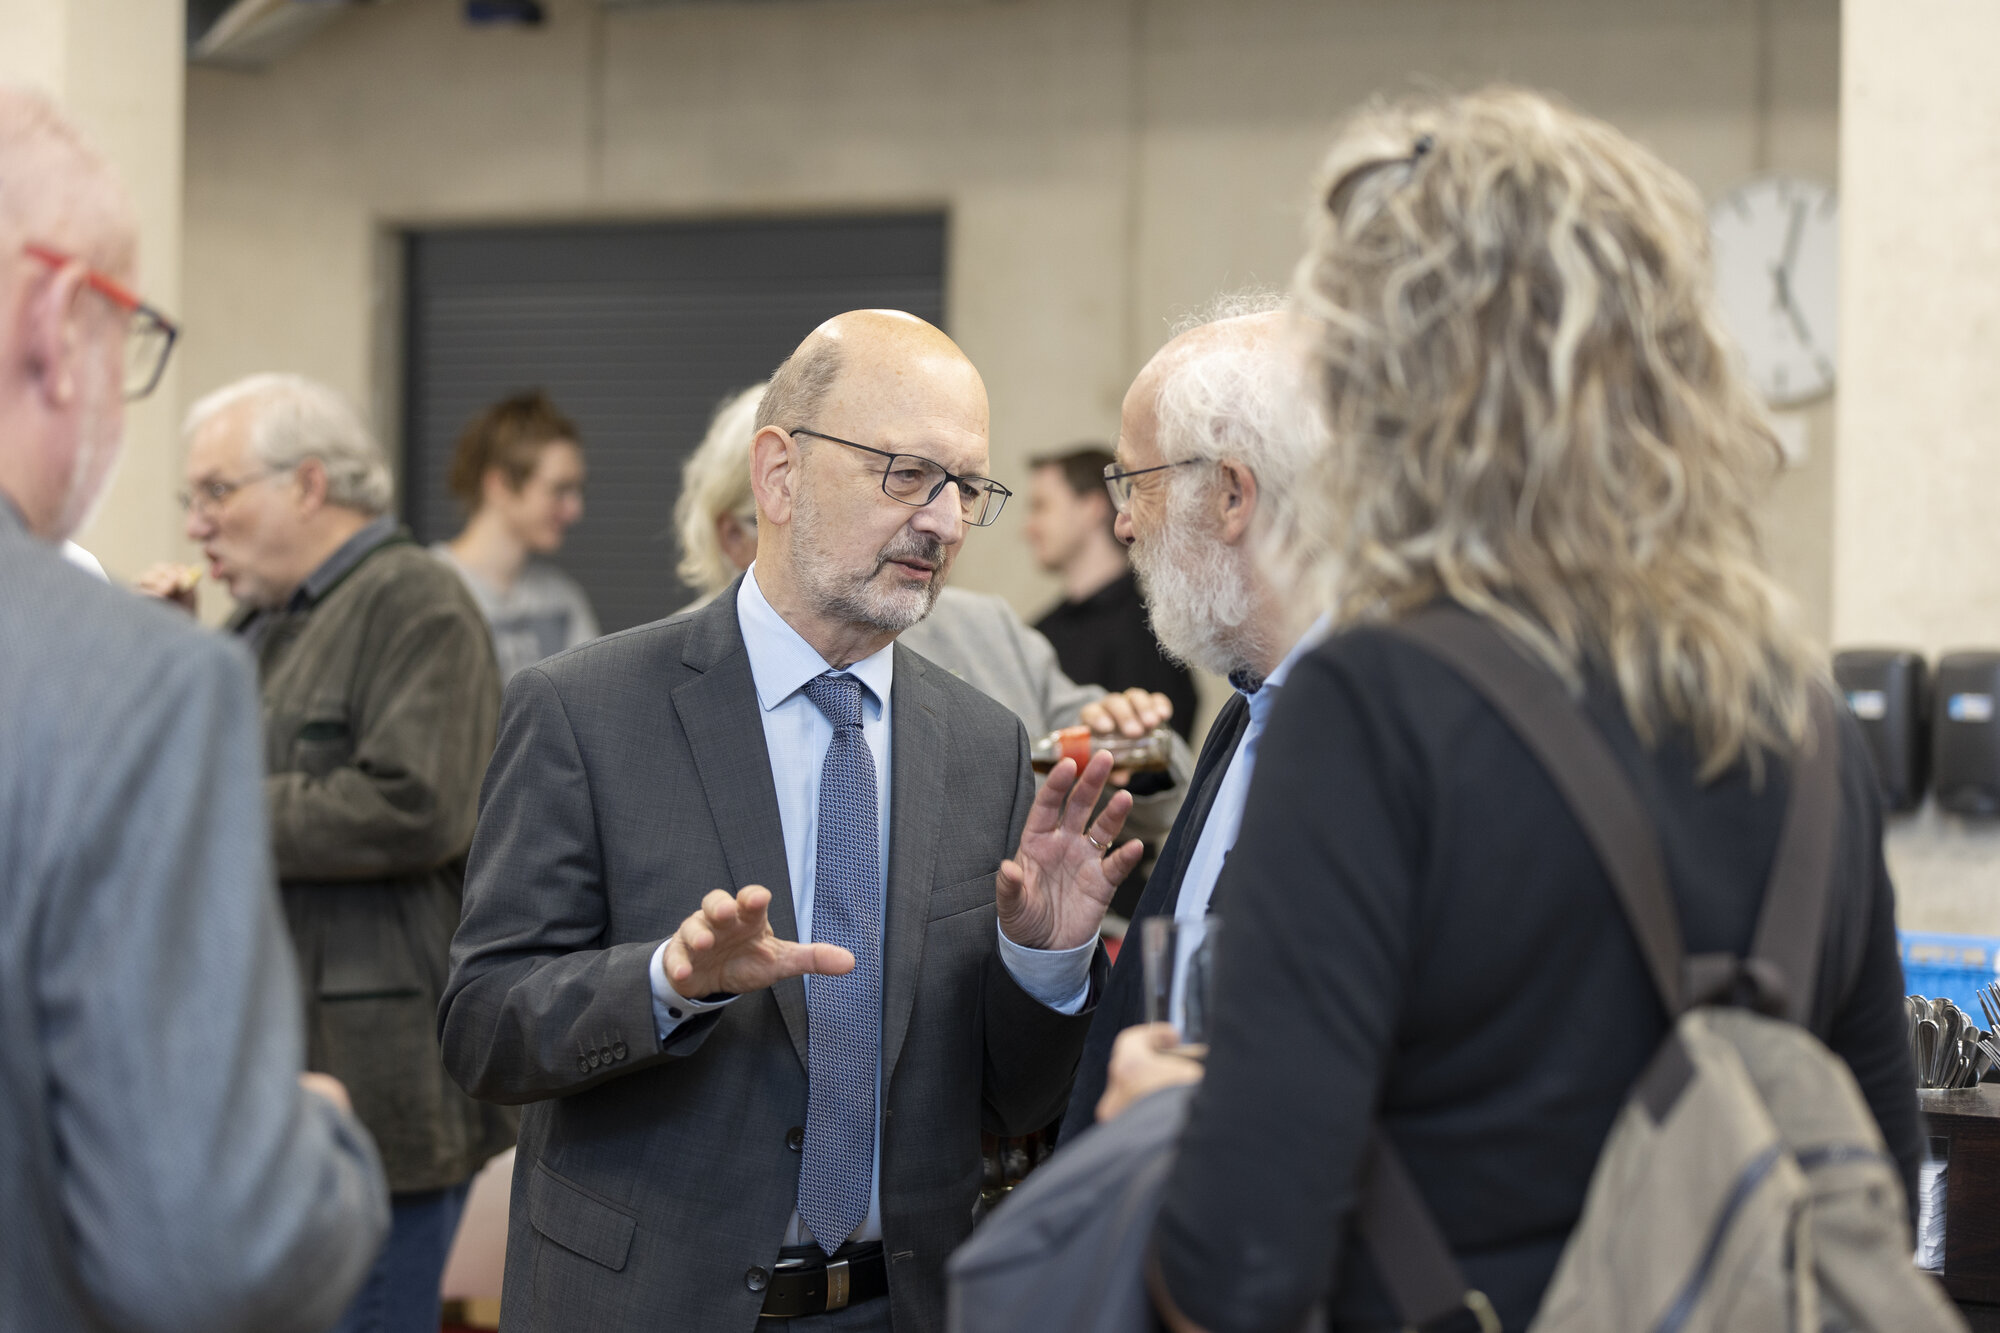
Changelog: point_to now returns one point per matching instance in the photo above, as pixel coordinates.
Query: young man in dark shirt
(1100, 631)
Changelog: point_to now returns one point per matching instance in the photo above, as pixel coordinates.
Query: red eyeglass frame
(125, 299)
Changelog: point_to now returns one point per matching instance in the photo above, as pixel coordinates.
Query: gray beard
(857, 600)
(1198, 595)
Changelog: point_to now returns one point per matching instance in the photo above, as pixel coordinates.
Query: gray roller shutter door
(636, 332)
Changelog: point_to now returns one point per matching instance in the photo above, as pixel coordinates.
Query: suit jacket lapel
(1123, 1002)
(917, 751)
(1163, 890)
(718, 712)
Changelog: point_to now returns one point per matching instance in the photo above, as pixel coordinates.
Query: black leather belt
(808, 1282)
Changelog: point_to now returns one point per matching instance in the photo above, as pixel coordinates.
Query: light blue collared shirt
(797, 735)
(1225, 814)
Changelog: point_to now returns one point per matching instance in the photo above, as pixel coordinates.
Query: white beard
(1199, 592)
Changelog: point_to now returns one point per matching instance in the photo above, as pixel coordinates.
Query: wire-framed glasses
(916, 480)
(1119, 482)
(208, 497)
(149, 335)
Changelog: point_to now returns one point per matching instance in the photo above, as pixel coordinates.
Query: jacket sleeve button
(756, 1279)
(795, 1139)
(582, 1064)
(618, 1050)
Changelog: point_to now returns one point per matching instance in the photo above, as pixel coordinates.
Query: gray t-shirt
(542, 614)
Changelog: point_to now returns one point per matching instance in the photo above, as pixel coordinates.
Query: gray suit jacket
(160, 1167)
(653, 1185)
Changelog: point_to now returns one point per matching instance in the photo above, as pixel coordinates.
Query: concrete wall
(1107, 164)
(1918, 562)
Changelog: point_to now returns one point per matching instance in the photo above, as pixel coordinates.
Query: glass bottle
(1139, 754)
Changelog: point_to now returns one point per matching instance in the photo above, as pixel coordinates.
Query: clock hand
(1792, 237)
(1781, 273)
(1792, 312)
(1780, 280)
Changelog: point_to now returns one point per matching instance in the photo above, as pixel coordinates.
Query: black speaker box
(1888, 691)
(1965, 772)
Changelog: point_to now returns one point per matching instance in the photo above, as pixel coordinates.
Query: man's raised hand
(728, 948)
(1053, 892)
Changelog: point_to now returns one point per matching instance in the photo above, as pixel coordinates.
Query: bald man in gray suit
(764, 918)
(161, 1166)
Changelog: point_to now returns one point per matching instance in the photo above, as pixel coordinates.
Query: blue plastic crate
(1950, 967)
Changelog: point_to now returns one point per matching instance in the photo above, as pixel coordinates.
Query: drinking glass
(1179, 963)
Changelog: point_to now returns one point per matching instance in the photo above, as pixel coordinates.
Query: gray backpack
(1066, 1251)
(1744, 1185)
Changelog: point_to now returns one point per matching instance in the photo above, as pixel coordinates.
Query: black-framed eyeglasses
(149, 336)
(1119, 482)
(916, 480)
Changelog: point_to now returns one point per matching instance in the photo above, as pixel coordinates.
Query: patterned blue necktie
(843, 1014)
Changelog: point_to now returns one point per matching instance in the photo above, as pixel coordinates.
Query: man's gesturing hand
(728, 947)
(1053, 893)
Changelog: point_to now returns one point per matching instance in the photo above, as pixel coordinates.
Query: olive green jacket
(380, 699)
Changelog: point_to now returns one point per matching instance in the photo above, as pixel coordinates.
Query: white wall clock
(1777, 258)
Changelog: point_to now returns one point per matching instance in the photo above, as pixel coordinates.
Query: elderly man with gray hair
(1212, 443)
(161, 1167)
(380, 698)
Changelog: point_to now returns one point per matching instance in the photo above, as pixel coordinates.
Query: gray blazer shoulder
(141, 906)
(978, 638)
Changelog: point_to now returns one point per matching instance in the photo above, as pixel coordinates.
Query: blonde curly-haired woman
(1535, 417)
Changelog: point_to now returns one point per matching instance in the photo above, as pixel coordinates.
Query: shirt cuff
(670, 1007)
(1059, 978)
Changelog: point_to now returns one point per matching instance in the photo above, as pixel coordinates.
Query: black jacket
(1420, 933)
(1124, 1001)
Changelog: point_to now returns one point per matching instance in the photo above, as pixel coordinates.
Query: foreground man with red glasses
(764, 919)
(161, 1164)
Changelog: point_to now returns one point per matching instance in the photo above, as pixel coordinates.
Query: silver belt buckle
(836, 1284)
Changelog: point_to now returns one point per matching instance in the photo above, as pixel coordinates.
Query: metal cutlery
(1948, 1048)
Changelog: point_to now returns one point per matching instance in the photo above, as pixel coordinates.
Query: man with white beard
(1213, 441)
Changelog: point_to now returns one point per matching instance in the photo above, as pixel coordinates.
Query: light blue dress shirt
(1225, 815)
(797, 735)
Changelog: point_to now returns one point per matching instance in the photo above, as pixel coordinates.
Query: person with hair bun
(1536, 421)
(518, 470)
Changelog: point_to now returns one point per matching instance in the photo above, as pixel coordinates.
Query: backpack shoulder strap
(1791, 926)
(1576, 758)
(1411, 1255)
(1409, 1249)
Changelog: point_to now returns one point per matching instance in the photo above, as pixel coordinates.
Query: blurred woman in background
(715, 515)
